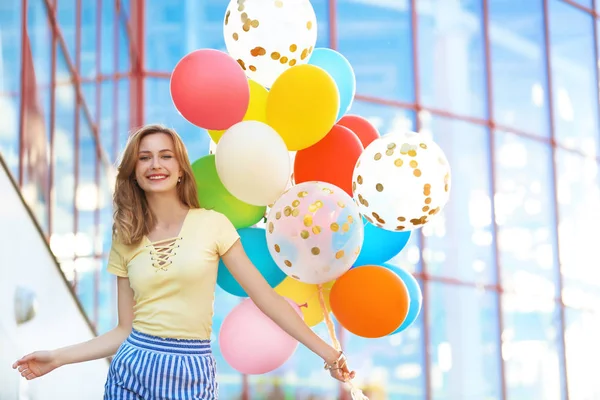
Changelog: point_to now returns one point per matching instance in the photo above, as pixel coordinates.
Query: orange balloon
(330, 160)
(370, 301)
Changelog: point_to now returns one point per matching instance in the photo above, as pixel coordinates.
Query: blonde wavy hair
(132, 217)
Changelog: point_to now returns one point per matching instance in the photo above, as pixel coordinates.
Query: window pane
(126, 7)
(10, 38)
(66, 21)
(104, 239)
(575, 86)
(124, 51)
(87, 269)
(63, 190)
(525, 215)
(585, 3)
(107, 295)
(321, 8)
(88, 39)
(519, 65)
(578, 198)
(168, 21)
(10, 79)
(451, 56)
(459, 242)
(87, 191)
(530, 348)
(108, 112)
(122, 114)
(376, 39)
(108, 37)
(107, 284)
(465, 357)
(160, 109)
(384, 118)
(9, 132)
(581, 336)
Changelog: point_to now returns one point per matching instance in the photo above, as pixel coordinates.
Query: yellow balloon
(307, 296)
(256, 108)
(302, 105)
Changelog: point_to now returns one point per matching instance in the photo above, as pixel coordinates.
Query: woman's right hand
(37, 364)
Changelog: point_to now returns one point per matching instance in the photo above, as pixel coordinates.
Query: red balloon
(361, 127)
(330, 160)
(210, 89)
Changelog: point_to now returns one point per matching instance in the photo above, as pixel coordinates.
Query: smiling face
(157, 168)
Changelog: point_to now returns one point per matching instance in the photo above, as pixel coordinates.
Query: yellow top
(174, 280)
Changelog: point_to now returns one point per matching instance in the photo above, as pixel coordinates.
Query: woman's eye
(167, 157)
(144, 158)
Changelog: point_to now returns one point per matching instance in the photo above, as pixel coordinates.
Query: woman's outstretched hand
(339, 370)
(36, 364)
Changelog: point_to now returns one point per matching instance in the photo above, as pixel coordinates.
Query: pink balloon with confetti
(314, 232)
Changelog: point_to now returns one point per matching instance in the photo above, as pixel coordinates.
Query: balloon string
(328, 321)
(355, 392)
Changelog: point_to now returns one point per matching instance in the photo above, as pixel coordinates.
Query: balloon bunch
(338, 200)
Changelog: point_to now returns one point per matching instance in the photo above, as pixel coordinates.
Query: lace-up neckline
(162, 251)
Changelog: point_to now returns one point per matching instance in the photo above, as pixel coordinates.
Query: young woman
(165, 254)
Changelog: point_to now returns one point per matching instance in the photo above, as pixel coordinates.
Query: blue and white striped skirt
(148, 367)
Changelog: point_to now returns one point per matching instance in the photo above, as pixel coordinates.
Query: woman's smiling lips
(157, 177)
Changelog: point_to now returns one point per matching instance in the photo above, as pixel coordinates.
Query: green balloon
(213, 195)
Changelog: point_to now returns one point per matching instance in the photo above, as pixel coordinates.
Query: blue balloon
(254, 241)
(380, 245)
(342, 73)
(415, 294)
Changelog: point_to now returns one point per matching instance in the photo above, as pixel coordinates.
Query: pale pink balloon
(252, 343)
(314, 232)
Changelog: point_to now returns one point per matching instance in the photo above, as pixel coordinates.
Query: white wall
(26, 261)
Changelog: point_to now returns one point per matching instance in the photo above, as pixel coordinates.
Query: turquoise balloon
(342, 73)
(379, 245)
(254, 241)
(415, 294)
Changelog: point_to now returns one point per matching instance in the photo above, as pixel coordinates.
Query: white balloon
(269, 36)
(253, 162)
(401, 181)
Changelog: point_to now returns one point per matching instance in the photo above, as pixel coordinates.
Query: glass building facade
(508, 88)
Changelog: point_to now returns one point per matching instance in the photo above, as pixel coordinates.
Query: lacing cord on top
(162, 251)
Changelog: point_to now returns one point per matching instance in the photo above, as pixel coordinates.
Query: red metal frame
(116, 83)
(137, 117)
(97, 154)
(52, 127)
(77, 130)
(550, 98)
(135, 30)
(492, 147)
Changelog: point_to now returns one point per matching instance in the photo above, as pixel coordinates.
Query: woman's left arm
(278, 309)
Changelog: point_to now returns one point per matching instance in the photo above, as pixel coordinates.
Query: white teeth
(157, 177)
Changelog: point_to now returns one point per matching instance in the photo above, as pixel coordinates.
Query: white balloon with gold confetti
(401, 181)
(267, 37)
(314, 232)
